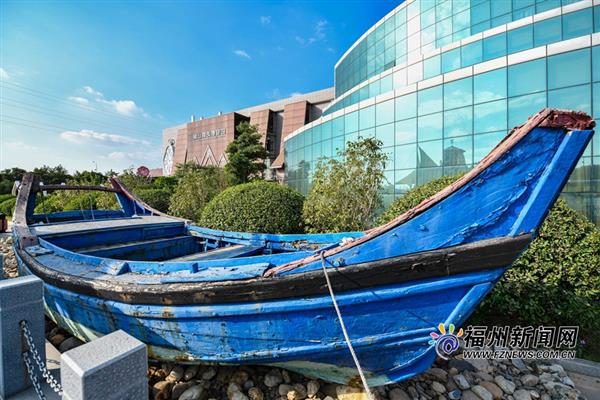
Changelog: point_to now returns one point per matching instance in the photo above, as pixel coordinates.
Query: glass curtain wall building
(440, 83)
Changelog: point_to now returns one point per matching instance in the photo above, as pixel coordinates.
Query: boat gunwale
(476, 256)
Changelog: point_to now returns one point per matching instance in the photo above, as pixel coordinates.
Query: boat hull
(388, 325)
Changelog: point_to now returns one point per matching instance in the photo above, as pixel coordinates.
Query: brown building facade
(204, 140)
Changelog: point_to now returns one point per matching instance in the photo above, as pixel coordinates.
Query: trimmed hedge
(157, 198)
(259, 206)
(556, 281)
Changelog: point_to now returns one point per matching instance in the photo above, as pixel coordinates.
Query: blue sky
(94, 83)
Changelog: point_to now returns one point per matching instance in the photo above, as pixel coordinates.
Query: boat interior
(113, 235)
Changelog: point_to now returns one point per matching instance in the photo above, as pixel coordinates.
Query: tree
(346, 194)
(8, 177)
(89, 178)
(52, 175)
(245, 155)
(194, 190)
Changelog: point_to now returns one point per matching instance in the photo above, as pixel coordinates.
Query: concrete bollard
(20, 299)
(111, 367)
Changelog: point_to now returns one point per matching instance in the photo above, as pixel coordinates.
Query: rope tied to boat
(344, 330)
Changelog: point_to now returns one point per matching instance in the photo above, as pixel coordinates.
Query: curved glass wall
(545, 31)
(447, 121)
(417, 27)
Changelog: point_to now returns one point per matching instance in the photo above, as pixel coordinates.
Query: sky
(91, 84)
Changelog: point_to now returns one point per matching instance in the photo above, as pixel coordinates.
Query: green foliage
(555, 282)
(165, 182)
(52, 175)
(8, 206)
(88, 178)
(156, 198)
(257, 206)
(4, 197)
(194, 190)
(133, 181)
(346, 194)
(185, 168)
(245, 155)
(413, 197)
(8, 177)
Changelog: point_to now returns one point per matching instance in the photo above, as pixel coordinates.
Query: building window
(430, 100)
(406, 131)
(458, 122)
(489, 86)
(385, 112)
(577, 23)
(406, 106)
(547, 31)
(458, 93)
(489, 117)
(494, 46)
(430, 127)
(522, 107)
(569, 69)
(527, 77)
(573, 98)
(520, 39)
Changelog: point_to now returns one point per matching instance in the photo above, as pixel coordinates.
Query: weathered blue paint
(389, 325)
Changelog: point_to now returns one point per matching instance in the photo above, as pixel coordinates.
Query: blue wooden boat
(200, 295)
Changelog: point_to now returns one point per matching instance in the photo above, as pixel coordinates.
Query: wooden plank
(222, 252)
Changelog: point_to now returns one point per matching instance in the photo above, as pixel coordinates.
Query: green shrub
(8, 206)
(156, 198)
(556, 281)
(346, 193)
(255, 207)
(4, 197)
(194, 190)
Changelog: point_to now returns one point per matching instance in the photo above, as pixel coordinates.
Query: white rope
(345, 332)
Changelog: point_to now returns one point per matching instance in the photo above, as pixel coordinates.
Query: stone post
(112, 367)
(20, 299)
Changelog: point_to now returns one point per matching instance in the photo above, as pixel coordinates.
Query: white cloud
(92, 91)
(123, 107)
(318, 35)
(295, 94)
(86, 135)
(265, 19)
(273, 94)
(19, 146)
(4, 75)
(80, 100)
(242, 53)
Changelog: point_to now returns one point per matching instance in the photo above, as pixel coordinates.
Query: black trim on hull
(472, 257)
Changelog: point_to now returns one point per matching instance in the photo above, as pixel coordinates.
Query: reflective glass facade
(484, 67)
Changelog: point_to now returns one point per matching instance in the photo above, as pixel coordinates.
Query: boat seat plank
(81, 226)
(222, 252)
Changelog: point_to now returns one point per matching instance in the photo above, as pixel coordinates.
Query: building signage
(208, 134)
